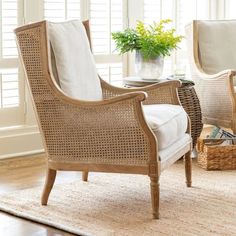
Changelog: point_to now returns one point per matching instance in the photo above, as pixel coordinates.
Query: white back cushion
(74, 61)
(217, 45)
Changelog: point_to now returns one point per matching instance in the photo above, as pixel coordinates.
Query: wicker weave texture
(216, 157)
(190, 102)
(163, 93)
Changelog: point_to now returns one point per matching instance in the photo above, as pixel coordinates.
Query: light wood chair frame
(217, 110)
(51, 101)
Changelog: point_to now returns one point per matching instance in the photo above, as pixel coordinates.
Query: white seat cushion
(176, 150)
(74, 61)
(168, 122)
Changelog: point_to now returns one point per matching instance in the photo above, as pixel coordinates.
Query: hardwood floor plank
(22, 173)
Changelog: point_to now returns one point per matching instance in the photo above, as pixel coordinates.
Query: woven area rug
(115, 204)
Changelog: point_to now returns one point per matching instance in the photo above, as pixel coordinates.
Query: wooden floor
(22, 173)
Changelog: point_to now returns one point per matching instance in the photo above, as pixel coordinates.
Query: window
(11, 96)
(61, 10)
(229, 11)
(180, 12)
(105, 17)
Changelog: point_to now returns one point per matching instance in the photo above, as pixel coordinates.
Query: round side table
(188, 99)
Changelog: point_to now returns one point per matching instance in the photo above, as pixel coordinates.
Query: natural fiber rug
(115, 204)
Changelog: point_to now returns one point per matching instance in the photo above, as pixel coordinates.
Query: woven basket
(190, 102)
(216, 157)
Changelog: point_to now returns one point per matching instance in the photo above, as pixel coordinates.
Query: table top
(139, 82)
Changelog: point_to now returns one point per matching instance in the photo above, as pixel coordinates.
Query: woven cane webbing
(107, 134)
(163, 93)
(214, 98)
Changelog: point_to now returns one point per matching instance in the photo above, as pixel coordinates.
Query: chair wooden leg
(85, 176)
(50, 179)
(155, 196)
(234, 129)
(188, 169)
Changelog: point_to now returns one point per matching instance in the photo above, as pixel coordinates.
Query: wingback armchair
(89, 125)
(211, 46)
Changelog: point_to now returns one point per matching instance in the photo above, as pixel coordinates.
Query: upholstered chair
(89, 125)
(211, 47)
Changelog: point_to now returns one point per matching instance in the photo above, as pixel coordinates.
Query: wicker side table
(191, 105)
(188, 99)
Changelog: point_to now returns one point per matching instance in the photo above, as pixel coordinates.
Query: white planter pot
(148, 69)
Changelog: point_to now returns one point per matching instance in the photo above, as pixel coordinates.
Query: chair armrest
(112, 131)
(221, 82)
(225, 74)
(137, 95)
(159, 93)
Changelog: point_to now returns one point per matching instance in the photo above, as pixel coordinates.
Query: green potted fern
(151, 44)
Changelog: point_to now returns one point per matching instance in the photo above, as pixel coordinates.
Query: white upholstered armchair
(211, 47)
(89, 125)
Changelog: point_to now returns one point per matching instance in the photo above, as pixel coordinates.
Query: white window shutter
(106, 16)
(186, 12)
(9, 23)
(151, 11)
(61, 10)
(180, 12)
(9, 86)
(154, 11)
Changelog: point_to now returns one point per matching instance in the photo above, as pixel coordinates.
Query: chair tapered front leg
(50, 179)
(85, 176)
(234, 128)
(188, 169)
(155, 196)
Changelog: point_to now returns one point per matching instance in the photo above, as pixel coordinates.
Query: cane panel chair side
(216, 91)
(82, 135)
(160, 93)
(47, 94)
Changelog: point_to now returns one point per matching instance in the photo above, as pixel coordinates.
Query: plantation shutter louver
(11, 110)
(106, 16)
(61, 10)
(8, 77)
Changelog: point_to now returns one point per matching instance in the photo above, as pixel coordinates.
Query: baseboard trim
(21, 154)
(23, 142)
